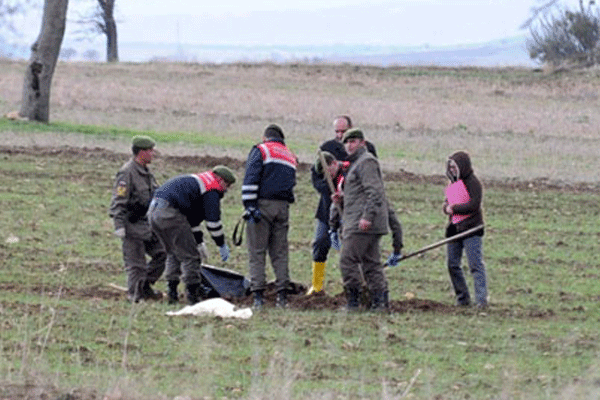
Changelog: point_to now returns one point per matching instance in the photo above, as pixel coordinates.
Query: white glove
(203, 251)
(120, 233)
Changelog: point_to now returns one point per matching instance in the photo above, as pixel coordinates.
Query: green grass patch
(64, 328)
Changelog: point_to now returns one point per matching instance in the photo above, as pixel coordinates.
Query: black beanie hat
(274, 131)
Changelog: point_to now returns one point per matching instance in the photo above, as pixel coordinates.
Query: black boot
(149, 293)
(378, 302)
(172, 293)
(353, 299)
(281, 301)
(259, 302)
(193, 293)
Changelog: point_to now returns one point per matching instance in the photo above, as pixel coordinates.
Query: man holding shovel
(463, 206)
(326, 173)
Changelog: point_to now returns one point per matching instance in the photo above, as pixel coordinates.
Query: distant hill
(503, 52)
(506, 52)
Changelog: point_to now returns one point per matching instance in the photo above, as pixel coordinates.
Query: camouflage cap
(224, 173)
(143, 142)
(353, 133)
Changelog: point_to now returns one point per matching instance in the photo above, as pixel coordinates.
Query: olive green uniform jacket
(132, 192)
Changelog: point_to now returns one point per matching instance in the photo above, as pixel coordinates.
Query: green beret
(329, 158)
(224, 173)
(353, 133)
(143, 142)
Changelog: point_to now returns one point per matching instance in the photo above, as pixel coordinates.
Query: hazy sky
(314, 22)
(399, 22)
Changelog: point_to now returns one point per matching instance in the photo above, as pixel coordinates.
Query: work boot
(378, 303)
(192, 292)
(259, 302)
(172, 294)
(353, 300)
(149, 293)
(318, 268)
(138, 292)
(281, 301)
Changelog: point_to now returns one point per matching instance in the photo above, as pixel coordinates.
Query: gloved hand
(203, 251)
(120, 233)
(335, 240)
(224, 250)
(252, 214)
(392, 261)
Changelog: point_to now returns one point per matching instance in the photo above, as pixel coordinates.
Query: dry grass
(516, 123)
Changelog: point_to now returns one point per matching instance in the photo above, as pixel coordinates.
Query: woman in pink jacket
(464, 195)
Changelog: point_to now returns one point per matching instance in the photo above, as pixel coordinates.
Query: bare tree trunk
(112, 53)
(44, 54)
(108, 26)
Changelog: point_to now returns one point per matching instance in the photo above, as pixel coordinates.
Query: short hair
(329, 159)
(274, 131)
(347, 118)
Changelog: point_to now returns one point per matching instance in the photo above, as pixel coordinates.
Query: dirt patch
(210, 161)
(297, 301)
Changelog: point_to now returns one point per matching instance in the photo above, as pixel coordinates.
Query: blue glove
(224, 250)
(392, 261)
(252, 214)
(335, 240)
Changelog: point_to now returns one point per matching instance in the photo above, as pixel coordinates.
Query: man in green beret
(132, 191)
(367, 215)
(177, 209)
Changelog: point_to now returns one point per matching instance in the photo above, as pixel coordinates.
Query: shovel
(440, 243)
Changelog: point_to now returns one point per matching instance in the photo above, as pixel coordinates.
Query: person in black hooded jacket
(463, 201)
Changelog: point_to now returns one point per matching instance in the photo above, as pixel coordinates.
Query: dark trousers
(473, 249)
(361, 256)
(322, 242)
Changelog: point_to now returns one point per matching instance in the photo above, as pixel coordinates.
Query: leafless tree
(44, 55)
(101, 20)
(559, 34)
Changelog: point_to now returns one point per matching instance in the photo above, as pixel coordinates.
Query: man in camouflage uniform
(132, 192)
(366, 215)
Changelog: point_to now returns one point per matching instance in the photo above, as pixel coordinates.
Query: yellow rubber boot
(318, 276)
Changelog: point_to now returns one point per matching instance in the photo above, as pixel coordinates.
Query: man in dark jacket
(322, 241)
(132, 191)
(175, 214)
(267, 192)
(463, 206)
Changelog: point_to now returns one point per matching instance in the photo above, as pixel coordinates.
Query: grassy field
(65, 334)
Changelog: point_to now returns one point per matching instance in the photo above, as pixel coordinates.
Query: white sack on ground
(218, 307)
